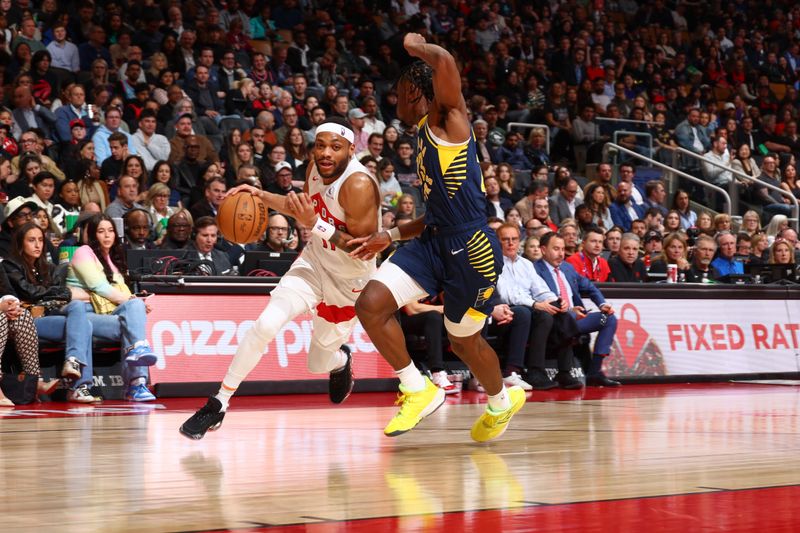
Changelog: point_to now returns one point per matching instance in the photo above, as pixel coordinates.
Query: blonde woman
(157, 204)
(751, 223)
(778, 223)
(781, 253)
(673, 252)
(722, 222)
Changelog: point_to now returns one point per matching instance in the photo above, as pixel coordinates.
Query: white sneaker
(475, 385)
(71, 369)
(440, 380)
(514, 380)
(82, 395)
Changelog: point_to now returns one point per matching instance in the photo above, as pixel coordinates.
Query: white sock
(224, 395)
(340, 359)
(410, 378)
(500, 401)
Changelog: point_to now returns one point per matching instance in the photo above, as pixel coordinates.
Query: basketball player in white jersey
(340, 201)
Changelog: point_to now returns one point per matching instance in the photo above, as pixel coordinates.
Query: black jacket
(34, 292)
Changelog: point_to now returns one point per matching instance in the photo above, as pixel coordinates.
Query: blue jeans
(605, 336)
(71, 325)
(127, 324)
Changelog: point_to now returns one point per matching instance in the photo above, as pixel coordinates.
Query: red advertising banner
(196, 336)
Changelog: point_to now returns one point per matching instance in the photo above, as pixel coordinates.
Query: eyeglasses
(24, 214)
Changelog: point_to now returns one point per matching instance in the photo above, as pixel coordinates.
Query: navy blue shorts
(463, 263)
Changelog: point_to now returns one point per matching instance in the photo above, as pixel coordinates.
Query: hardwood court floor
(722, 457)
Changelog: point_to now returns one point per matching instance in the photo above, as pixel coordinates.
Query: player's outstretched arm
(446, 76)
(368, 247)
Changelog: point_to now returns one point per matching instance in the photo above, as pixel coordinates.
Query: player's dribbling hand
(370, 246)
(412, 40)
(255, 191)
(301, 208)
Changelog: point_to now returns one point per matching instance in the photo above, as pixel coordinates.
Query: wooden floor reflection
(281, 461)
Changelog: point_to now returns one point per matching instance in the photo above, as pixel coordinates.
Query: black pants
(548, 337)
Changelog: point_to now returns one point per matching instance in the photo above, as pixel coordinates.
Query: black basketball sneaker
(208, 418)
(340, 383)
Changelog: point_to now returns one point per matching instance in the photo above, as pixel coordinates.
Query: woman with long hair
(672, 222)
(722, 222)
(673, 252)
(775, 226)
(705, 224)
(67, 206)
(36, 282)
(781, 253)
(406, 206)
(133, 166)
(296, 152)
(98, 268)
(789, 180)
(390, 137)
(597, 201)
(505, 178)
(680, 204)
(45, 82)
(751, 223)
(164, 173)
(744, 162)
(90, 187)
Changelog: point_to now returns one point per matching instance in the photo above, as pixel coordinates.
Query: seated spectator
(611, 243)
(278, 236)
(564, 281)
(598, 202)
(179, 230)
(90, 187)
(157, 204)
(426, 318)
(759, 249)
(653, 245)
(532, 250)
(673, 252)
(535, 190)
(112, 167)
(101, 137)
(564, 202)
(655, 194)
(701, 269)
(60, 319)
(680, 204)
(653, 220)
(115, 313)
(627, 173)
(568, 231)
(390, 187)
(751, 223)
(626, 267)
(138, 230)
(127, 193)
(789, 180)
(496, 205)
(532, 302)
(17, 323)
(588, 262)
(213, 194)
(151, 146)
(781, 253)
(203, 248)
(672, 222)
(623, 210)
(43, 187)
(725, 262)
(705, 224)
(722, 222)
(67, 207)
(283, 180)
(717, 173)
(772, 201)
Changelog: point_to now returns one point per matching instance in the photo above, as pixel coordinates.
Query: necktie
(562, 287)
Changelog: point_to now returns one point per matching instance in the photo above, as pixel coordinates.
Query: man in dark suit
(28, 114)
(213, 192)
(623, 209)
(563, 203)
(202, 248)
(565, 282)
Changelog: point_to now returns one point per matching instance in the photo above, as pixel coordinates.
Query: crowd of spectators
(149, 111)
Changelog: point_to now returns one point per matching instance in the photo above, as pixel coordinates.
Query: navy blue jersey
(452, 181)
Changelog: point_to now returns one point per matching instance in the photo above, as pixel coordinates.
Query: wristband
(323, 229)
(394, 234)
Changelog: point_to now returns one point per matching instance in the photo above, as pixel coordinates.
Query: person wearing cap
(356, 118)
(17, 212)
(77, 128)
(653, 245)
(152, 146)
(283, 180)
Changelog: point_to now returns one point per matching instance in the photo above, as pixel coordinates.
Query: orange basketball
(242, 218)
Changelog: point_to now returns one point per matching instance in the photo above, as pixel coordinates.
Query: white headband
(332, 127)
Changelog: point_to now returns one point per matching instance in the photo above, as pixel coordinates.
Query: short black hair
(545, 239)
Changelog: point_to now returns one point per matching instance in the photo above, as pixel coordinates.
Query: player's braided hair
(420, 76)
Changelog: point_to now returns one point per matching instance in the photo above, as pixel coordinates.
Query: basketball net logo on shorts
(483, 296)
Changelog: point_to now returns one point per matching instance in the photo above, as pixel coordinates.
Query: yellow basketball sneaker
(414, 406)
(491, 425)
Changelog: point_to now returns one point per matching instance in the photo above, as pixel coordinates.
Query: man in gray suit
(28, 114)
(563, 202)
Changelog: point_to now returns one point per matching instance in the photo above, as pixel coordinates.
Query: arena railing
(527, 126)
(734, 191)
(612, 146)
(620, 133)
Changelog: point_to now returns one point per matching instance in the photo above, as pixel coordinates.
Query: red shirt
(583, 265)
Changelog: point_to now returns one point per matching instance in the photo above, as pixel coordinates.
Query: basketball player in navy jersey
(453, 250)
